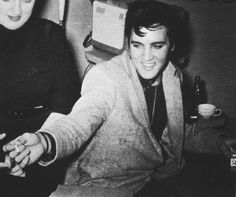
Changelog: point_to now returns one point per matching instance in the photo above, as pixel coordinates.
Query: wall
(214, 45)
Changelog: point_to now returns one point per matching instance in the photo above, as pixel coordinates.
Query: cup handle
(218, 112)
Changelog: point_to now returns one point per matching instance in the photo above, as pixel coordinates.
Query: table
(205, 161)
(204, 135)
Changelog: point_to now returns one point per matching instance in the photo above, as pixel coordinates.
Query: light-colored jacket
(111, 122)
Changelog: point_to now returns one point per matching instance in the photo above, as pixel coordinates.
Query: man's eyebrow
(160, 42)
(135, 42)
(153, 43)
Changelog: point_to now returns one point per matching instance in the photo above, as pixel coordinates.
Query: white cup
(208, 110)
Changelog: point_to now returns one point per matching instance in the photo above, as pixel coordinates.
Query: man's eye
(158, 46)
(136, 45)
(5, 0)
(28, 1)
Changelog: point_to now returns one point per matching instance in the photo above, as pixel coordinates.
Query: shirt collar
(148, 83)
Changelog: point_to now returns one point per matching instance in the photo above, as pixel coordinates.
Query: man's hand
(17, 171)
(34, 147)
(7, 162)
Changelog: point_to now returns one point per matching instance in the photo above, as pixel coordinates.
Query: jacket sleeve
(89, 112)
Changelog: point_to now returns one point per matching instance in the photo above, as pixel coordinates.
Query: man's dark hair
(151, 14)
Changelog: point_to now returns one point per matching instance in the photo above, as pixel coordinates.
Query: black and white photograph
(117, 98)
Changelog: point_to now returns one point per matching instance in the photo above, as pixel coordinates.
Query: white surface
(61, 9)
(108, 24)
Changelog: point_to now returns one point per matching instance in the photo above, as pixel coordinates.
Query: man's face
(150, 53)
(15, 13)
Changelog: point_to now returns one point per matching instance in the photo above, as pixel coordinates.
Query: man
(129, 119)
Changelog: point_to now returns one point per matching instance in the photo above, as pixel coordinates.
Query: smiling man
(150, 53)
(130, 114)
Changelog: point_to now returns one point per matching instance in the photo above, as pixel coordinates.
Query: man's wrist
(48, 144)
(45, 141)
(42, 141)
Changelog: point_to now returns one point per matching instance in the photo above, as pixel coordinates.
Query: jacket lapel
(141, 101)
(174, 105)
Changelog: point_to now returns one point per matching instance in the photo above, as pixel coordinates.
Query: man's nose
(17, 10)
(147, 54)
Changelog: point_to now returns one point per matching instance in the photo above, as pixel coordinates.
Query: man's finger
(25, 162)
(18, 149)
(14, 144)
(15, 168)
(2, 135)
(21, 156)
(23, 174)
(8, 147)
(19, 173)
(20, 140)
(4, 165)
(8, 161)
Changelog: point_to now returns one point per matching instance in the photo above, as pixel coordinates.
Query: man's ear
(127, 45)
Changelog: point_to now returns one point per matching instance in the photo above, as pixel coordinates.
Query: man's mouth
(14, 18)
(148, 65)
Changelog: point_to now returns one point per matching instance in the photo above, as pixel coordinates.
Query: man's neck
(147, 83)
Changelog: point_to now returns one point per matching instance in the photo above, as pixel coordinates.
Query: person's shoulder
(111, 65)
(47, 27)
(46, 22)
(113, 68)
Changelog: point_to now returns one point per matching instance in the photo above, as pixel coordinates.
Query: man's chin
(148, 77)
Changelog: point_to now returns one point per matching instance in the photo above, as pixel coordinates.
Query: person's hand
(16, 148)
(12, 168)
(17, 170)
(7, 162)
(8, 166)
(34, 147)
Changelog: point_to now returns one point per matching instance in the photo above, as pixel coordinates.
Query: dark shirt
(156, 105)
(37, 77)
(36, 74)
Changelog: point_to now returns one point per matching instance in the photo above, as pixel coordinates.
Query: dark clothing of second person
(37, 77)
